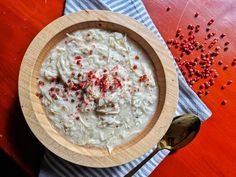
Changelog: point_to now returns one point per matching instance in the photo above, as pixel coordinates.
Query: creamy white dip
(98, 88)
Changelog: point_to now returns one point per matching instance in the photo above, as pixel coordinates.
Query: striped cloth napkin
(53, 165)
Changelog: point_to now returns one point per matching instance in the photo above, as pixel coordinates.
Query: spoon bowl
(181, 132)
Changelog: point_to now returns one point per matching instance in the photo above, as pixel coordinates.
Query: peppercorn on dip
(98, 88)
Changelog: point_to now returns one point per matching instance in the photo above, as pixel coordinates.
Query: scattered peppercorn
(223, 87)
(199, 68)
(234, 62)
(216, 75)
(199, 92)
(190, 27)
(179, 30)
(225, 67)
(207, 85)
(224, 102)
(201, 86)
(222, 35)
(210, 22)
(196, 14)
(220, 62)
(181, 36)
(226, 43)
(229, 82)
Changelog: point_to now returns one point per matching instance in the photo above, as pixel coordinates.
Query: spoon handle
(181, 132)
(135, 169)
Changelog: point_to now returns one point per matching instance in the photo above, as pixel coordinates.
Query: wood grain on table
(20, 21)
(212, 153)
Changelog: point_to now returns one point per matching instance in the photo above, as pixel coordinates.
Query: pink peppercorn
(234, 62)
(229, 82)
(179, 30)
(135, 67)
(210, 22)
(196, 14)
(226, 43)
(225, 67)
(136, 57)
(223, 87)
(222, 35)
(216, 75)
(220, 62)
(224, 102)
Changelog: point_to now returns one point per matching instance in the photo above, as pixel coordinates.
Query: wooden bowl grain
(39, 123)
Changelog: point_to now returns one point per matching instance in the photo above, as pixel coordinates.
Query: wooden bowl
(39, 123)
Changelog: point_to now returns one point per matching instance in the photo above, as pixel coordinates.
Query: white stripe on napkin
(188, 100)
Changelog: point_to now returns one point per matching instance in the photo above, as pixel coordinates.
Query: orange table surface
(212, 153)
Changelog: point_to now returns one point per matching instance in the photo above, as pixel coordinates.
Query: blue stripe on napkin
(188, 100)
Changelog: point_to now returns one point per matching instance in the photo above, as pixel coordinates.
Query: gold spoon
(181, 132)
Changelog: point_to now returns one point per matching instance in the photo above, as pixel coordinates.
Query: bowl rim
(124, 155)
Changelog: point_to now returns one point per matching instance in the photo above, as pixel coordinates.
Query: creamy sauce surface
(98, 88)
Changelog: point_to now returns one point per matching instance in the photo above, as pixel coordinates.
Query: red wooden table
(213, 151)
